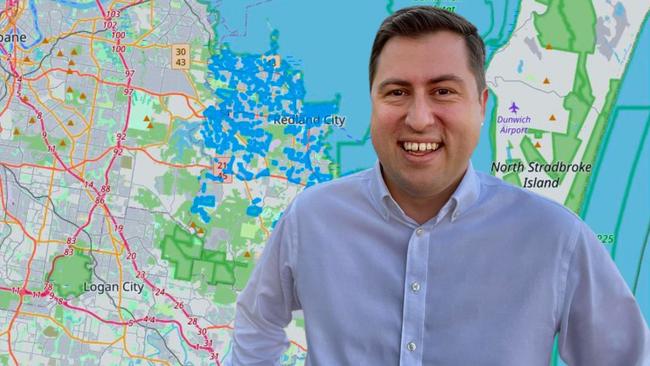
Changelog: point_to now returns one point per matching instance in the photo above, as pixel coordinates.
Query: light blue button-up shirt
(490, 280)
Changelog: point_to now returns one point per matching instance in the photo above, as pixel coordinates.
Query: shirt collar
(460, 201)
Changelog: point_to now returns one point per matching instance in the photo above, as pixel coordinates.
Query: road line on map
(99, 200)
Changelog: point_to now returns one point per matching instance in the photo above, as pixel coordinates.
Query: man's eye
(396, 93)
(443, 91)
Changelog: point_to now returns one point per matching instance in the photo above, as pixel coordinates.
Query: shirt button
(419, 231)
(415, 286)
(411, 346)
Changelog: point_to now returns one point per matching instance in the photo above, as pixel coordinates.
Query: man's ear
(483, 96)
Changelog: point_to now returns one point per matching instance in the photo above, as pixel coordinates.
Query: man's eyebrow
(446, 77)
(437, 79)
(393, 81)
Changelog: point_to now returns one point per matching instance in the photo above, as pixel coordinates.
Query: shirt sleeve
(264, 307)
(601, 322)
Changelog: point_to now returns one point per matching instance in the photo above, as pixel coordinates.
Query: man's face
(426, 114)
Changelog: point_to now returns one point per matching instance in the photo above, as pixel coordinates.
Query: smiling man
(427, 108)
(423, 261)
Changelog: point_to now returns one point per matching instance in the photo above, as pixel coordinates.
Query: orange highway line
(166, 163)
(225, 326)
(29, 264)
(110, 83)
(11, 97)
(29, 165)
(91, 122)
(180, 166)
(151, 22)
(76, 247)
(12, 19)
(284, 178)
(302, 348)
(67, 331)
(63, 104)
(7, 213)
(42, 105)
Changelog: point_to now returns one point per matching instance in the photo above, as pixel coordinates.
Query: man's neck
(421, 208)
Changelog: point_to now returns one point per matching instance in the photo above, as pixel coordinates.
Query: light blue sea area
(335, 58)
(618, 196)
(620, 191)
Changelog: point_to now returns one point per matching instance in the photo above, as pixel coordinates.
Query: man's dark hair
(417, 21)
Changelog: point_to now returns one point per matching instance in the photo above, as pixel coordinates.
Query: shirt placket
(415, 287)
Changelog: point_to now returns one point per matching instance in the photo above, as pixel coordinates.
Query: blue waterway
(624, 134)
(619, 9)
(37, 40)
(183, 139)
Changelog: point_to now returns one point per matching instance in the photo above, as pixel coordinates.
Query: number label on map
(221, 163)
(180, 56)
(113, 14)
(607, 238)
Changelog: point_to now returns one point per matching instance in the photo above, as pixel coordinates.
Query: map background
(204, 171)
(618, 194)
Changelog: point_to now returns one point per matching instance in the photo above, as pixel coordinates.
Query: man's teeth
(421, 146)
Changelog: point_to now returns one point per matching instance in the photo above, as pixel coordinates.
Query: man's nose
(420, 115)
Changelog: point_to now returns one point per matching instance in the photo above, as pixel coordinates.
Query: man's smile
(420, 148)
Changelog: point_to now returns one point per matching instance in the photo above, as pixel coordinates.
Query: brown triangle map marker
(46, 41)
(32, 121)
(537, 145)
(70, 123)
(69, 72)
(552, 117)
(26, 59)
(71, 63)
(200, 231)
(62, 143)
(546, 81)
(548, 46)
(192, 225)
(74, 52)
(247, 254)
(16, 131)
(146, 119)
(82, 96)
(150, 125)
(59, 54)
(69, 90)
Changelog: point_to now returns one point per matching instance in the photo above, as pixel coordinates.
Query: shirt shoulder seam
(567, 258)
